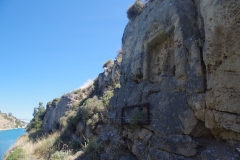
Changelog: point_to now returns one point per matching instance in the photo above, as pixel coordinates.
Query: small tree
(40, 104)
(107, 63)
(35, 110)
(49, 104)
(135, 9)
(55, 102)
(38, 116)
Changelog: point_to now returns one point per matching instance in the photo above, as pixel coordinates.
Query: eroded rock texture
(221, 56)
(53, 114)
(182, 57)
(104, 81)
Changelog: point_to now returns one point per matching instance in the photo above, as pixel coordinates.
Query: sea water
(8, 138)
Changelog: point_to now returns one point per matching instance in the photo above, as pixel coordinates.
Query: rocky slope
(8, 122)
(180, 57)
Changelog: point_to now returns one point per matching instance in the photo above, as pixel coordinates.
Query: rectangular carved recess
(136, 114)
(160, 58)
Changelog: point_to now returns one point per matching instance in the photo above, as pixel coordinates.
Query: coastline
(8, 138)
(9, 129)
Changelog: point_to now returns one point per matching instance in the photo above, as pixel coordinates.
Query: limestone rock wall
(182, 57)
(53, 114)
(222, 59)
(110, 76)
(107, 79)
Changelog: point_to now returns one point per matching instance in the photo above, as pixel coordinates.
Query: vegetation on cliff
(57, 145)
(38, 115)
(135, 9)
(164, 67)
(89, 107)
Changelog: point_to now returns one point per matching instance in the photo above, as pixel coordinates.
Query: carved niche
(160, 59)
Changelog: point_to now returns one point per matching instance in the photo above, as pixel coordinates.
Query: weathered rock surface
(53, 114)
(222, 58)
(105, 80)
(110, 76)
(183, 58)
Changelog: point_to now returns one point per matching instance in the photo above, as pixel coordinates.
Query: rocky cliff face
(181, 57)
(54, 113)
(102, 83)
(221, 57)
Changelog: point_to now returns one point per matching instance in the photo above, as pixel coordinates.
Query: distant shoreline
(10, 129)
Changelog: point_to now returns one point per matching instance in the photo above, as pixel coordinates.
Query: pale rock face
(178, 144)
(182, 57)
(53, 115)
(110, 75)
(222, 58)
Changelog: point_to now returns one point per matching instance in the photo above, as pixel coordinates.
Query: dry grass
(46, 146)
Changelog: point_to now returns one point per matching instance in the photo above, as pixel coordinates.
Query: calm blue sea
(8, 138)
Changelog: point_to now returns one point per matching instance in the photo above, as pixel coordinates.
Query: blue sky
(51, 47)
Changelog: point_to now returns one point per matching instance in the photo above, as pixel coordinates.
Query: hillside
(8, 122)
(171, 93)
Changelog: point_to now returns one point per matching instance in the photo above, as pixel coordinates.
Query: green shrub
(75, 105)
(135, 9)
(63, 121)
(78, 91)
(118, 85)
(49, 104)
(55, 102)
(59, 155)
(71, 117)
(75, 145)
(119, 56)
(91, 106)
(106, 97)
(82, 101)
(18, 123)
(17, 154)
(148, 157)
(5, 116)
(93, 146)
(85, 112)
(93, 120)
(38, 116)
(107, 63)
(70, 120)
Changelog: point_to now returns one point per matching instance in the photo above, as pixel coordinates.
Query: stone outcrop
(222, 58)
(183, 58)
(103, 82)
(110, 76)
(53, 114)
